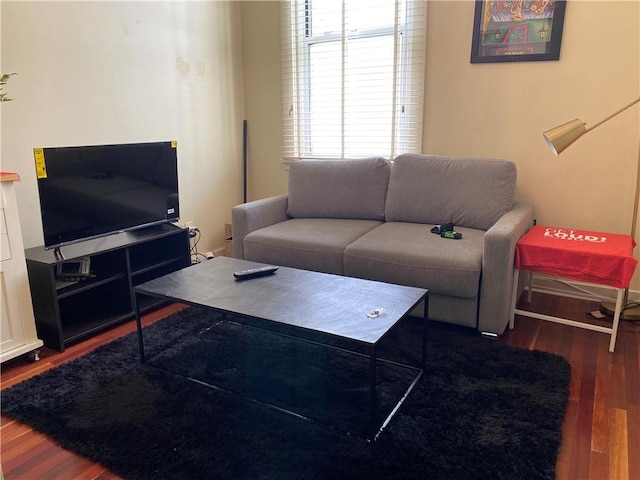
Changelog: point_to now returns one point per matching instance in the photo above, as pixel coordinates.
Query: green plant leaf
(3, 81)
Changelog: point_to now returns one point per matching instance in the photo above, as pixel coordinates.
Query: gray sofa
(372, 219)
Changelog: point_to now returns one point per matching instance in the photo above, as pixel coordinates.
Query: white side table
(591, 257)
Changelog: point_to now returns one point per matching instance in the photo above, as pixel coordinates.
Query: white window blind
(353, 78)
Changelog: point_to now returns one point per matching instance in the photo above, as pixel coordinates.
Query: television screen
(91, 191)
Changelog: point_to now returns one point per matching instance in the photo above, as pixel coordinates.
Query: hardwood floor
(601, 430)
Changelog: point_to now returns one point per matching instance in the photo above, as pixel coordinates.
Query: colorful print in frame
(517, 30)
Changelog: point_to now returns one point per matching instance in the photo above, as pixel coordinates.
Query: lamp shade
(561, 137)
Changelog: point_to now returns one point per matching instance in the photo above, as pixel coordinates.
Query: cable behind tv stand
(67, 310)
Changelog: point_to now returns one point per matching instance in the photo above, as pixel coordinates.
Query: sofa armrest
(497, 267)
(248, 217)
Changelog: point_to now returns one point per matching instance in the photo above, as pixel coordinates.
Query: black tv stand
(69, 310)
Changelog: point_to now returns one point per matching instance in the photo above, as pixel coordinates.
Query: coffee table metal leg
(139, 327)
(424, 331)
(373, 404)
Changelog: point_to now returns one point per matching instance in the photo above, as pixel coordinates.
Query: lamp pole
(637, 100)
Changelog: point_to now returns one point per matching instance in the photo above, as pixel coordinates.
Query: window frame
(407, 89)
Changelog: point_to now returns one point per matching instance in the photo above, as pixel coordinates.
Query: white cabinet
(18, 334)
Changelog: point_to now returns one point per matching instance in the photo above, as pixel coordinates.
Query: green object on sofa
(372, 219)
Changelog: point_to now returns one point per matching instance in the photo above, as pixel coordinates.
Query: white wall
(119, 72)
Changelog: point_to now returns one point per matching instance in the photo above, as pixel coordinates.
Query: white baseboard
(573, 289)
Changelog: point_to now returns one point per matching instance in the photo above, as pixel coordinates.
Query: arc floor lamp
(558, 139)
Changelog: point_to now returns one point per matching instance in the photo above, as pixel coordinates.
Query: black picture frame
(517, 30)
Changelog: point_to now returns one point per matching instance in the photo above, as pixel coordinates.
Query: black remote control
(255, 272)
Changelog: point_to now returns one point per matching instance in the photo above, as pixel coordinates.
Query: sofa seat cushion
(309, 243)
(409, 254)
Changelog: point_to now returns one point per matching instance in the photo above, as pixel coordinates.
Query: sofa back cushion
(338, 188)
(431, 189)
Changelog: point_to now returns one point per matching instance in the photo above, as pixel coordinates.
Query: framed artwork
(517, 30)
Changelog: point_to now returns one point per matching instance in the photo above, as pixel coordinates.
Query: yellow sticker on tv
(41, 166)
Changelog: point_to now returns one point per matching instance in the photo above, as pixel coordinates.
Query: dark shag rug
(481, 410)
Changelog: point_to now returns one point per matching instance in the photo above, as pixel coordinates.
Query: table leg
(514, 298)
(139, 328)
(616, 319)
(424, 331)
(373, 403)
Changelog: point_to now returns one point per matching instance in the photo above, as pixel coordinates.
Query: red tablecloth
(594, 257)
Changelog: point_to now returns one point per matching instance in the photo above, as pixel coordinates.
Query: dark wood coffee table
(310, 306)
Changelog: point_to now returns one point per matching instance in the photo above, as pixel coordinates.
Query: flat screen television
(97, 190)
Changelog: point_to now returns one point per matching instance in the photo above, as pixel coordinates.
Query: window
(353, 74)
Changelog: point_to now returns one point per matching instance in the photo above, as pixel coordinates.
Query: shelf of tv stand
(67, 311)
(150, 268)
(68, 288)
(73, 331)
